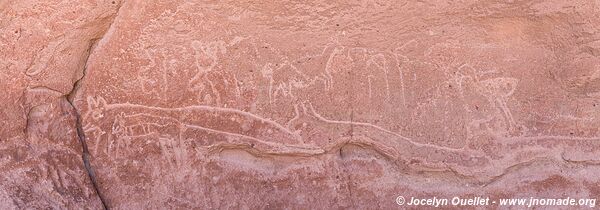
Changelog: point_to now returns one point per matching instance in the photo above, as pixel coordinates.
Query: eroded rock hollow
(131, 104)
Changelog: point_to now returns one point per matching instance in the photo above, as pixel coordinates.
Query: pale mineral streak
(145, 104)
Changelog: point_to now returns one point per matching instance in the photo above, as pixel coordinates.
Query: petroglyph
(288, 77)
(378, 61)
(498, 92)
(336, 133)
(206, 55)
(131, 122)
(295, 104)
(373, 128)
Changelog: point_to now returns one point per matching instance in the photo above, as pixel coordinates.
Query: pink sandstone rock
(296, 105)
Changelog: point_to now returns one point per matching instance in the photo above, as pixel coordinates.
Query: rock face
(322, 104)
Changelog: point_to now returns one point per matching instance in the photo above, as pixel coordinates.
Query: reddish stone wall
(137, 104)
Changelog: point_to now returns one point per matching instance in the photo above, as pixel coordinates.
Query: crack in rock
(81, 133)
(78, 121)
(86, 155)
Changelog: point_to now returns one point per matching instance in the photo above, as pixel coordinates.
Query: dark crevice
(86, 158)
(81, 133)
(70, 97)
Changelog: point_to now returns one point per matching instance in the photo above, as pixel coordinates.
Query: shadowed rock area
(153, 104)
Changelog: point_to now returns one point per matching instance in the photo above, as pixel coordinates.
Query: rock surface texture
(148, 104)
